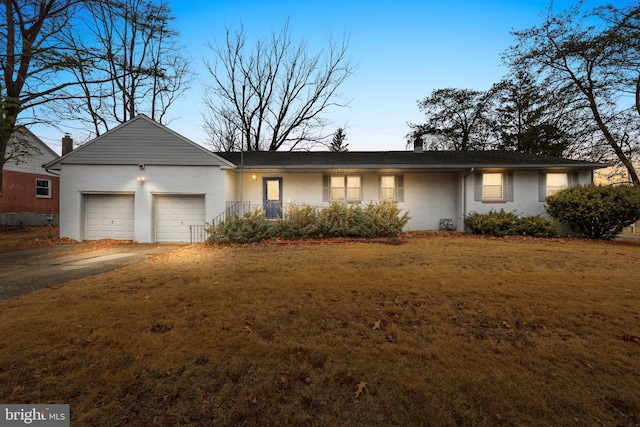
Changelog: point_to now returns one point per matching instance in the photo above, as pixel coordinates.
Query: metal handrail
(233, 209)
(198, 233)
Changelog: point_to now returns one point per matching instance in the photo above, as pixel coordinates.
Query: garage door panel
(109, 216)
(174, 215)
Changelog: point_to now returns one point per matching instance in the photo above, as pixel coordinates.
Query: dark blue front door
(272, 197)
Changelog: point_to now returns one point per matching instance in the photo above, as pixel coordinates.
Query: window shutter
(509, 186)
(326, 188)
(400, 188)
(542, 187)
(477, 193)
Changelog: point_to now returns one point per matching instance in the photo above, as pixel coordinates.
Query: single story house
(30, 194)
(144, 182)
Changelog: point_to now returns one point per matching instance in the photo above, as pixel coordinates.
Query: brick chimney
(418, 144)
(67, 144)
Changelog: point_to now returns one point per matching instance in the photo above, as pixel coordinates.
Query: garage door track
(26, 271)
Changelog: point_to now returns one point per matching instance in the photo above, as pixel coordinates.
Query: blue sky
(402, 49)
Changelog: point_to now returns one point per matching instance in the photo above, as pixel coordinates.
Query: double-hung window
(556, 182)
(345, 188)
(494, 187)
(551, 183)
(392, 187)
(43, 188)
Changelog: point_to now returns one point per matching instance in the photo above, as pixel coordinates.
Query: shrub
(251, 227)
(339, 219)
(383, 219)
(493, 223)
(536, 226)
(501, 223)
(373, 220)
(594, 211)
(297, 222)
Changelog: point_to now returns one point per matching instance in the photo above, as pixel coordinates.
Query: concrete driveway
(26, 271)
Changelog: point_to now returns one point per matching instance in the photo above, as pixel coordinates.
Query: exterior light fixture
(254, 177)
(141, 180)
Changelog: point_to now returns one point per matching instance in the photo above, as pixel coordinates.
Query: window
(556, 182)
(387, 187)
(493, 187)
(551, 183)
(43, 188)
(344, 188)
(392, 187)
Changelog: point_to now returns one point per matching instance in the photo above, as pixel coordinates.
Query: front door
(272, 197)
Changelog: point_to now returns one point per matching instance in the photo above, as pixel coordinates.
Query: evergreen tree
(338, 141)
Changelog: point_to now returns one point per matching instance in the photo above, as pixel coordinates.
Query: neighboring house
(30, 194)
(144, 182)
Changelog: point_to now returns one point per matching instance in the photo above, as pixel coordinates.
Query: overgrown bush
(593, 211)
(373, 220)
(339, 219)
(501, 223)
(253, 226)
(297, 222)
(383, 220)
(536, 226)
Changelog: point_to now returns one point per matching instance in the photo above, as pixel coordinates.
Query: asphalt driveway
(26, 271)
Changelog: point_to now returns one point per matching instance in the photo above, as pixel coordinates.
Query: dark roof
(450, 160)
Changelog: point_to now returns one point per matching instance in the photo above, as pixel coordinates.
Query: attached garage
(175, 213)
(109, 216)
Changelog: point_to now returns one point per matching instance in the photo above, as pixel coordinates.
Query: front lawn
(443, 329)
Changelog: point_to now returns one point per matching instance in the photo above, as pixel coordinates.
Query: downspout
(464, 196)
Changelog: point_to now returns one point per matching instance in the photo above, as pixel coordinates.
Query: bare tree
(31, 60)
(102, 61)
(275, 93)
(575, 53)
(141, 63)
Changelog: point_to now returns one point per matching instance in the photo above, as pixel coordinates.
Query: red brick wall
(19, 193)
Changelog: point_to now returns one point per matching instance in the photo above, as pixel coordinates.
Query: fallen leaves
(376, 325)
(360, 389)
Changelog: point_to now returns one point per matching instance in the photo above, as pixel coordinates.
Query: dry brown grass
(19, 239)
(440, 330)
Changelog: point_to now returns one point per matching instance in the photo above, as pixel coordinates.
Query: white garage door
(109, 216)
(174, 215)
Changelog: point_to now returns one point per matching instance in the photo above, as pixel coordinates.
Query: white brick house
(144, 182)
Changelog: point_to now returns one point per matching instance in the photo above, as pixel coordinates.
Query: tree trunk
(633, 175)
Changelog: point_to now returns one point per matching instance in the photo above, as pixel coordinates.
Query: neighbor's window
(556, 182)
(43, 188)
(492, 186)
(346, 188)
